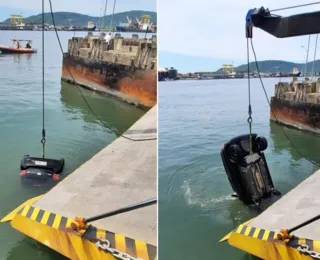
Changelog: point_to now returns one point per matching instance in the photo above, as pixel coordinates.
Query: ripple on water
(194, 183)
(72, 132)
(195, 119)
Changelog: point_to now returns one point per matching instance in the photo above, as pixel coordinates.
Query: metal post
(146, 32)
(304, 63)
(314, 58)
(104, 14)
(307, 55)
(114, 6)
(304, 224)
(123, 210)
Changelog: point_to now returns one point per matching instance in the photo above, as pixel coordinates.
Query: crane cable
(43, 140)
(294, 6)
(114, 6)
(78, 87)
(104, 14)
(249, 120)
(265, 92)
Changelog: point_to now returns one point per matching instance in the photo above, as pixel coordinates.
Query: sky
(90, 7)
(204, 34)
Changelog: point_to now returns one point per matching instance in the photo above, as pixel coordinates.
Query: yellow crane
(145, 18)
(144, 23)
(227, 68)
(16, 19)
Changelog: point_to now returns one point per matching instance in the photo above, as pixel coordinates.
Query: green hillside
(65, 18)
(273, 66)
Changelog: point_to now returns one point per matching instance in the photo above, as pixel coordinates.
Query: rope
(114, 6)
(79, 89)
(104, 14)
(265, 92)
(314, 57)
(295, 6)
(306, 70)
(249, 94)
(43, 140)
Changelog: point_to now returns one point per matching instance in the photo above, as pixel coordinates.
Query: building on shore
(165, 74)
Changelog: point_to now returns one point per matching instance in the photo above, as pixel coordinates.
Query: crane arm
(282, 27)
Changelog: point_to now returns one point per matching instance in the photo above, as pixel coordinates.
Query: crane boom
(282, 27)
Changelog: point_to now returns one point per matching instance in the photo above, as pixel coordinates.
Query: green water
(72, 131)
(195, 119)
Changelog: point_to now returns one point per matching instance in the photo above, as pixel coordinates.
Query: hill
(273, 66)
(65, 18)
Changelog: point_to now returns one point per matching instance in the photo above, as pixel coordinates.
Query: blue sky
(205, 34)
(91, 7)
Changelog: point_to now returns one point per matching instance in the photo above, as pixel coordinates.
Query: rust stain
(290, 113)
(82, 74)
(141, 85)
(143, 88)
(293, 113)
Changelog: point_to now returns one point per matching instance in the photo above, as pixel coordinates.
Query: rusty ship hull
(297, 105)
(121, 81)
(126, 71)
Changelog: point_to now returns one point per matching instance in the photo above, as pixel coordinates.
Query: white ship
(296, 72)
(20, 26)
(91, 26)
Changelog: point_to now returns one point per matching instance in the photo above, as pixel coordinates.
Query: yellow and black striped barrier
(265, 244)
(268, 235)
(259, 233)
(55, 231)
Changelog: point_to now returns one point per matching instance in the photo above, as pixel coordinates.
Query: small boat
(17, 48)
(9, 49)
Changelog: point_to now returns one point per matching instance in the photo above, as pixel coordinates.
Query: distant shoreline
(193, 79)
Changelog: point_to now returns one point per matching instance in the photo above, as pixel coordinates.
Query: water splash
(194, 197)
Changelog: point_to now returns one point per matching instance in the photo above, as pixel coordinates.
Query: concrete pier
(259, 236)
(297, 206)
(123, 173)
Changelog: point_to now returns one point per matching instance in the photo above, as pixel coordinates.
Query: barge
(125, 69)
(297, 104)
